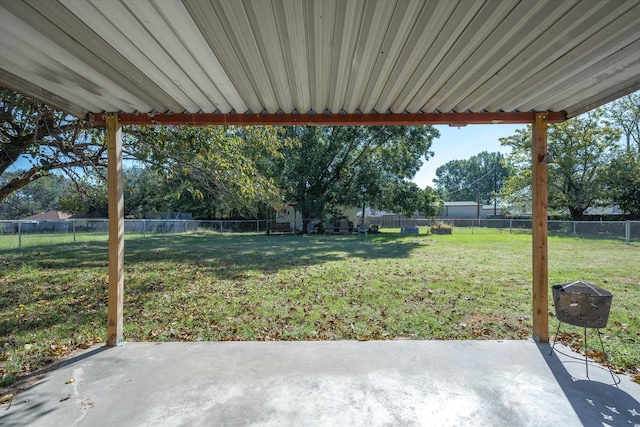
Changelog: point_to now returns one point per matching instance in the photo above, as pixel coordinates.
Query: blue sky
(462, 143)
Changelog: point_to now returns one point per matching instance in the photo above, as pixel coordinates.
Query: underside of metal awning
(321, 61)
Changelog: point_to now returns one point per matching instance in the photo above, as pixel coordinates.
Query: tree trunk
(576, 214)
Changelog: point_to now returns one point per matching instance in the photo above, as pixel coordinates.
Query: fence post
(574, 229)
(19, 234)
(74, 231)
(627, 232)
(471, 226)
(510, 225)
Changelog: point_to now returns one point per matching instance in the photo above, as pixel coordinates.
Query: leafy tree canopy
(623, 182)
(624, 114)
(623, 172)
(581, 148)
(49, 140)
(479, 176)
(41, 195)
(331, 167)
(407, 198)
(214, 162)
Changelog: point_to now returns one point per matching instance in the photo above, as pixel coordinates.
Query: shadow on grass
(227, 256)
(65, 285)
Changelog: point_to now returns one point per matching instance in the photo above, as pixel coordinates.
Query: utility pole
(495, 192)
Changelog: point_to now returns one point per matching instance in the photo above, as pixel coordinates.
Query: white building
(468, 210)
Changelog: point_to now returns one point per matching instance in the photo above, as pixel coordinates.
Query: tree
(221, 162)
(328, 168)
(480, 176)
(39, 196)
(581, 148)
(407, 198)
(623, 182)
(624, 114)
(623, 173)
(218, 162)
(49, 140)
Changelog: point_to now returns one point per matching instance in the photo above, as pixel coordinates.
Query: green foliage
(623, 182)
(220, 164)
(581, 148)
(441, 228)
(624, 114)
(39, 196)
(623, 174)
(223, 164)
(49, 140)
(407, 198)
(479, 176)
(332, 167)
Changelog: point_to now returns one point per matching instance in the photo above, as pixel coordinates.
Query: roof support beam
(116, 231)
(453, 119)
(539, 160)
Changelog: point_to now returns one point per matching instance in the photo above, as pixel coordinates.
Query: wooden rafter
(453, 119)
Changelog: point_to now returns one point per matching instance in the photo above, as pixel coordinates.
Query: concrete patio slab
(339, 383)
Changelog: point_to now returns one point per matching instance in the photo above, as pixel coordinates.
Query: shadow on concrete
(598, 400)
(30, 411)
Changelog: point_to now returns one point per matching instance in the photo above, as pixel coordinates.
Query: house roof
(324, 61)
(49, 216)
(468, 203)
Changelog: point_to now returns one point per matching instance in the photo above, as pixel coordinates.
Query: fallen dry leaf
(7, 398)
(70, 380)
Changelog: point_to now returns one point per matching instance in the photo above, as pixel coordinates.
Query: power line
(470, 185)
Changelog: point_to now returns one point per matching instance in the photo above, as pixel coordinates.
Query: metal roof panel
(320, 56)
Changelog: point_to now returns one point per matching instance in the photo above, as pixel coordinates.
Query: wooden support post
(539, 229)
(116, 230)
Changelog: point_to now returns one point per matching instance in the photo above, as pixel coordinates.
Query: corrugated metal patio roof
(354, 58)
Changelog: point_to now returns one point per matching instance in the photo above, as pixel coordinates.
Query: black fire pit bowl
(582, 304)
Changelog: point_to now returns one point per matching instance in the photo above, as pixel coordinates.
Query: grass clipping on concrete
(218, 287)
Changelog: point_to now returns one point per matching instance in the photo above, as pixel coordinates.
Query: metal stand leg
(586, 351)
(586, 358)
(555, 338)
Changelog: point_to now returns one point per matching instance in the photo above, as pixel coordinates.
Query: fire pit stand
(582, 304)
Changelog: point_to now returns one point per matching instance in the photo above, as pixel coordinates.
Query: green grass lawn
(206, 286)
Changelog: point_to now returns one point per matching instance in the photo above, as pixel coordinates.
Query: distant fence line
(15, 234)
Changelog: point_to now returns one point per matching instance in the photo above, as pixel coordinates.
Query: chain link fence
(22, 234)
(629, 231)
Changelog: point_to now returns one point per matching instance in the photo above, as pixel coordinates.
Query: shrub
(441, 228)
